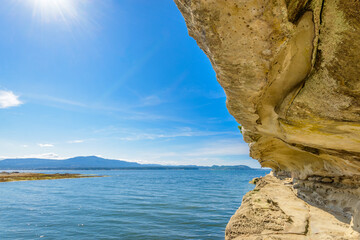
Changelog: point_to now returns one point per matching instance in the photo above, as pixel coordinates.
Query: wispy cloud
(208, 152)
(210, 94)
(43, 155)
(9, 99)
(151, 100)
(40, 155)
(44, 145)
(153, 134)
(47, 100)
(221, 148)
(127, 75)
(128, 112)
(76, 141)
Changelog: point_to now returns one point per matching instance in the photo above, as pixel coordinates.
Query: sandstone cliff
(290, 70)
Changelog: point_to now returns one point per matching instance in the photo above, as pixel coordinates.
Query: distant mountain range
(93, 162)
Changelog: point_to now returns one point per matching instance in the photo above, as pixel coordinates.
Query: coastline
(274, 210)
(27, 176)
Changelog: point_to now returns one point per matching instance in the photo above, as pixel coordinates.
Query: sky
(120, 79)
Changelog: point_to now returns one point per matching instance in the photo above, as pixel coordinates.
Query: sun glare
(55, 10)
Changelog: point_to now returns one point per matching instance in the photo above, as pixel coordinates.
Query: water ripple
(145, 205)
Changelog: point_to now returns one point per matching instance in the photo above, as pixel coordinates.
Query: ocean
(127, 204)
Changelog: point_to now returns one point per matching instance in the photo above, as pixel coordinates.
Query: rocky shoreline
(27, 176)
(273, 210)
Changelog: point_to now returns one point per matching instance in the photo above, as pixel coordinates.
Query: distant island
(98, 163)
(26, 176)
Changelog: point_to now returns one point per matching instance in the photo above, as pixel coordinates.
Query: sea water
(127, 204)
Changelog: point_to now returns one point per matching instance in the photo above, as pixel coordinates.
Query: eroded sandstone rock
(273, 211)
(291, 73)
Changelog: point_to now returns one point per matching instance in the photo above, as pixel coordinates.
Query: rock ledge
(274, 211)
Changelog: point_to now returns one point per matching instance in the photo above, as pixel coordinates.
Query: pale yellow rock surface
(290, 70)
(273, 211)
(291, 73)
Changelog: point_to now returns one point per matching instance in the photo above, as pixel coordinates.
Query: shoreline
(275, 210)
(30, 176)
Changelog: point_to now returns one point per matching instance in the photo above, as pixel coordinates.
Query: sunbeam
(56, 10)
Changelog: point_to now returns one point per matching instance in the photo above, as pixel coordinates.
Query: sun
(55, 10)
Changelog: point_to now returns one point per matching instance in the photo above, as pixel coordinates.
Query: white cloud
(208, 150)
(151, 101)
(41, 155)
(135, 135)
(8, 99)
(76, 141)
(43, 145)
(221, 149)
(214, 151)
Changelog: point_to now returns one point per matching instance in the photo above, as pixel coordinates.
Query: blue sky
(118, 79)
